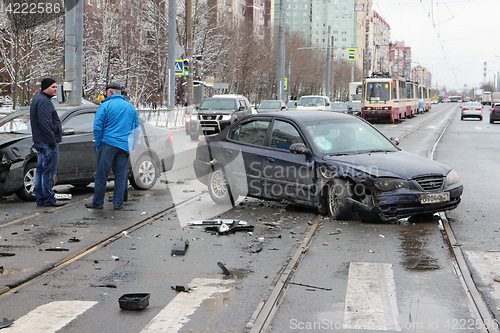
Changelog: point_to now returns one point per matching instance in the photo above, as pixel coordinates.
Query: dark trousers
(45, 173)
(110, 157)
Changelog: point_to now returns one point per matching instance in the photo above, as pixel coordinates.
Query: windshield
(312, 101)
(218, 104)
(347, 137)
(270, 105)
(377, 91)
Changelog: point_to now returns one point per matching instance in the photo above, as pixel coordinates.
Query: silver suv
(216, 113)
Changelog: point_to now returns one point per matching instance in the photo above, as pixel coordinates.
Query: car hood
(215, 111)
(398, 164)
(9, 138)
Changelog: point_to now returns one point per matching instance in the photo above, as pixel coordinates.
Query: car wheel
(218, 187)
(338, 206)
(28, 191)
(145, 173)
(194, 136)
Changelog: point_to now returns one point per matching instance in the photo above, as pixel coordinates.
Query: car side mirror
(299, 148)
(68, 131)
(241, 108)
(394, 140)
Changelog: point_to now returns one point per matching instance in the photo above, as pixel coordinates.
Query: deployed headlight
(227, 117)
(452, 177)
(391, 184)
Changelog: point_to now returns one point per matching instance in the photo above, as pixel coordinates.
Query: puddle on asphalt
(416, 254)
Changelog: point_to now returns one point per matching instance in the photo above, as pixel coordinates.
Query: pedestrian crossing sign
(351, 54)
(179, 67)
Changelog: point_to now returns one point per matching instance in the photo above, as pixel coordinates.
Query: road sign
(285, 83)
(178, 67)
(351, 54)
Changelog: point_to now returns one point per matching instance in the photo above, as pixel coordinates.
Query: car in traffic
(77, 155)
(471, 110)
(355, 107)
(271, 106)
(338, 106)
(216, 113)
(314, 103)
(495, 113)
(335, 162)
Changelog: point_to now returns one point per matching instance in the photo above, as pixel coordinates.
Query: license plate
(430, 198)
(208, 128)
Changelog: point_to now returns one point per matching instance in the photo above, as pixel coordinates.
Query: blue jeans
(45, 173)
(108, 158)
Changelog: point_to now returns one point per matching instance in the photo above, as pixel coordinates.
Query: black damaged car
(77, 154)
(335, 162)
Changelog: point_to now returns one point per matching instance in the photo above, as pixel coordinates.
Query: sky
(452, 38)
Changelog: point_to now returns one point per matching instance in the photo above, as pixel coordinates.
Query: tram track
(485, 322)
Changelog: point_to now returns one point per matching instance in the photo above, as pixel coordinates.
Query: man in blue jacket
(116, 133)
(47, 134)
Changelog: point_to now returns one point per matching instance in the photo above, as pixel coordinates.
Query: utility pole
(328, 62)
(281, 51)
(189, 50)
(172, 13)
(73, 51)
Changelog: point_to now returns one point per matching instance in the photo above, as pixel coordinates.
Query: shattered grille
(430, 183)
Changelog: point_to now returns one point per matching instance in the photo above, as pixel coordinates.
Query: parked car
(335, 162)
(271, 106)
(314, 102)
(471, 110)
(216, 113)
(339, 107)
(77, 154)
(495, 113)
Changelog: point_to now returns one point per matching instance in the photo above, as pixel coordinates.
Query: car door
(77, 154)
(241, 155)
(286, 175)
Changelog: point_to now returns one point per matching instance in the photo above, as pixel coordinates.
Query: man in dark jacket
(47, 134)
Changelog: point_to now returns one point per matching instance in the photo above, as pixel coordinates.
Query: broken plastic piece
(56, 249)
(179, 248)
(6, 323)
(109, 285)
(73, 240)
(6, 254)
(181, 288)
(217, 222)
(225, 271)
(256, 249)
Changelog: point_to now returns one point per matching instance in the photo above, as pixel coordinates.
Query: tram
(392, 99)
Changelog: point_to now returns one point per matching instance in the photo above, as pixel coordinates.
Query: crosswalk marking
(487, 266)
(173, 317)
(49, 318)
(370, 302)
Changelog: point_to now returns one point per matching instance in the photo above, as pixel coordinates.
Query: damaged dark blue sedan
(338, 163)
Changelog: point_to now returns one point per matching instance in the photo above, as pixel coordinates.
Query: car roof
(227, 96)
(306, 116)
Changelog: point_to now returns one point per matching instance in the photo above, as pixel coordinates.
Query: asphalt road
(400, 274)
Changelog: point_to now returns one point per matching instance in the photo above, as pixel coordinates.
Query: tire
(337, 194)
(194, 136)
(27, 193)
(218, 187)
(145, 173)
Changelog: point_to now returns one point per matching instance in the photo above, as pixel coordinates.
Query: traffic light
(185, 67)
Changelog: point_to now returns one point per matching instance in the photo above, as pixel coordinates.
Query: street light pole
(281, 51)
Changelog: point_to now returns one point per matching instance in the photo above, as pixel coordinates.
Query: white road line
(370, 302)
(49, 318)
(487, 266)
(173, 317)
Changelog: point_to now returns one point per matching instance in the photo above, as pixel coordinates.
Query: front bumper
(398, 205)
